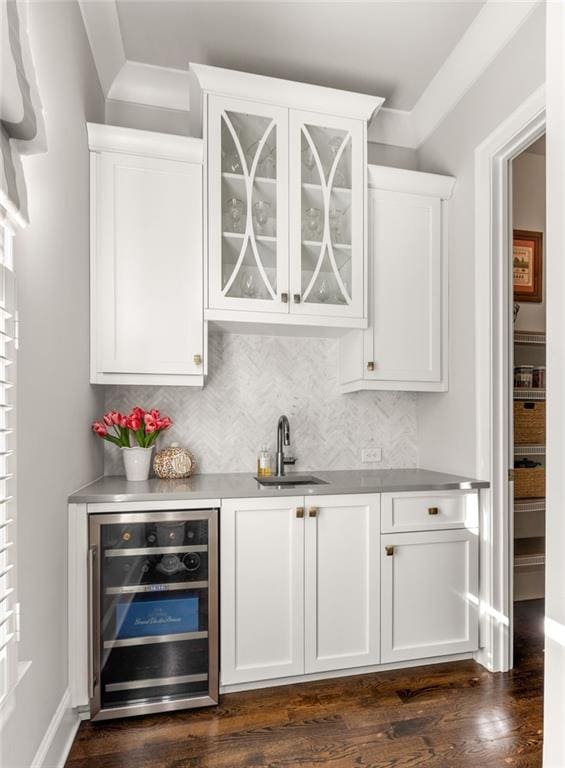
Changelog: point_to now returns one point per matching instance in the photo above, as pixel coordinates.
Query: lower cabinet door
(341, 582)
(429, 594)
(262, 588)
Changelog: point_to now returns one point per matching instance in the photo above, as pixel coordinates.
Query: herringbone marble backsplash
(254, 379)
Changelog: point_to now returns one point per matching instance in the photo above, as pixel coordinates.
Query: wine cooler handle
(91, 628)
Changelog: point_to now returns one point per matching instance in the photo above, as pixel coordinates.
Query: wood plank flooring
(446, 716)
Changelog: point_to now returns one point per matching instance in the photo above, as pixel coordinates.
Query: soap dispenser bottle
(264, 463)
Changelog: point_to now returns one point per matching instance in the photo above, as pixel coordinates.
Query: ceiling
(391, 49)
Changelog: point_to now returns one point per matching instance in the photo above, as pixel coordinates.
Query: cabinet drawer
(426, 511)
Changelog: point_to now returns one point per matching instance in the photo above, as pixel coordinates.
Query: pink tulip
(133, 422)
(155, 414)
(108, 418)
(99, 428)
(123, 422)
(164, 423)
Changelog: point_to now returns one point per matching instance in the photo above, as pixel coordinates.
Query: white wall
(528, 198)
(56, 451)
(447, 422)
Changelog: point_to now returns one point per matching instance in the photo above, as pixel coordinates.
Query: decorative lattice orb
(174, 462)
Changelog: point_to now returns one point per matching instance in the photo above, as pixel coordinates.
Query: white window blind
(8, 344)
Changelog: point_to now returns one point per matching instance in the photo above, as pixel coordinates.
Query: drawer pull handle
(389, 551)
(370, 366)
(313, 511)
(296, 298)
(299, 511)
(284, 297)
(433, 511)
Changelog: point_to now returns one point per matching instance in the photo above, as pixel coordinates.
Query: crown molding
(315, 98)
(161, 87)
(166, 88)
(491, 29)
(102, 26)
(411, 182)
(131, 141)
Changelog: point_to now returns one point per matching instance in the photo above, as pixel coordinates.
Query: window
(8, 344)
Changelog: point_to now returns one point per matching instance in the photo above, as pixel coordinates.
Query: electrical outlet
(369, 455)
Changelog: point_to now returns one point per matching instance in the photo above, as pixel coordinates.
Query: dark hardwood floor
(445, 716)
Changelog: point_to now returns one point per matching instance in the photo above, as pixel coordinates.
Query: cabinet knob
(296, 298)
(371, 366)
(389, 551)
(313, 511)
(284, 297)
(299, 511)
(197, 359)
(433, 511)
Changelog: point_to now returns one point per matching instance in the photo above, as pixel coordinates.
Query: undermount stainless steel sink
(288, 481)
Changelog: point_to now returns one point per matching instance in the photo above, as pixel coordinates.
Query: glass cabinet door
(327, 215)
(154, 613)
(248, 221)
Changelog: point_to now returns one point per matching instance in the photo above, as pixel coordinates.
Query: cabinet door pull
(299, 511)
(197, 359)
(389, 551)
(297, 298)
(433, 511)
(370, 366)
(313, 511)
(284, 297)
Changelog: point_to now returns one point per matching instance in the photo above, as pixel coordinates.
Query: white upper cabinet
(146, 258)
(286, 196)
(405, 346)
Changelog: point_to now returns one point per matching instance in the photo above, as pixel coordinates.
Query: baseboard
(59, 736)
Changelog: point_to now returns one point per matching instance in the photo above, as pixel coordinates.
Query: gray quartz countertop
(243, 485)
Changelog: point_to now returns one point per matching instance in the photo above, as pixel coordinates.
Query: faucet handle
(289, 460)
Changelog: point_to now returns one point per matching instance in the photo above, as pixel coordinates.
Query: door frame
(493, 356)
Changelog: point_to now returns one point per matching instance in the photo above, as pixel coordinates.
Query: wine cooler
(153, 594)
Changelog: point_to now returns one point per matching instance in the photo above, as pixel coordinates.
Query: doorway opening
(527, 421)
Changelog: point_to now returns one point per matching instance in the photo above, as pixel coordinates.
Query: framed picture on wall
(527, 267)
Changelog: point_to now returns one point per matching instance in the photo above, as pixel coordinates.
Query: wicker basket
(529, 482)
(529, 422)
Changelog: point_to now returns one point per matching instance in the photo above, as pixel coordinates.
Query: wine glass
(323, 294)
(335, 216)
(234, 209)
(248, 285)
(312, 220)
(261, 211)
(334, 145)
(269, 165)
(309, 157)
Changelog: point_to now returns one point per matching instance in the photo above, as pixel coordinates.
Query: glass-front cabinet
(248, 182)
(326, 215)
(287, 197)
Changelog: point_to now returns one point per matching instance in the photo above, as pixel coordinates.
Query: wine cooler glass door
(248, 183)
(327, 215)
(154, 617)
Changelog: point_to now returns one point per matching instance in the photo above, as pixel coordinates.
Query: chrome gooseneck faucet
(283, 438)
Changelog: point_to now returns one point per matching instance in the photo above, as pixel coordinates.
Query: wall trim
(493, 322)
(59, 736)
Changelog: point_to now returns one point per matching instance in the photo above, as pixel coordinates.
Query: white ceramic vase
(137, 463)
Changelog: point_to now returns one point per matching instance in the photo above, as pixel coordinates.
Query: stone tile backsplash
(253, 380)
